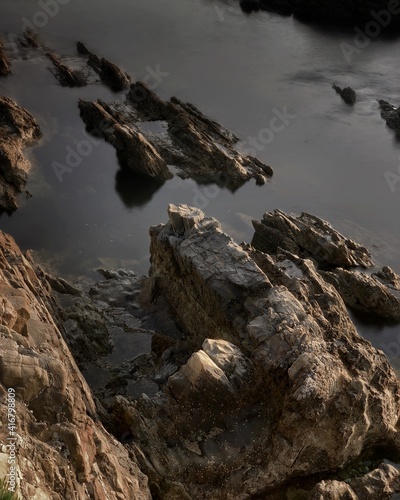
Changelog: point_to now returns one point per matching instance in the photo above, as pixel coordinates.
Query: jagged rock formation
(391, 115)
(18, 129)
(134, 150)
(109, 73)
(62, 449)
(170, 133)
(5, 65)
(68, 77)
(348, 94)
(378, 294)
(308, 235)
(277, 383)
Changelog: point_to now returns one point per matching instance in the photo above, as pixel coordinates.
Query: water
(329, 159)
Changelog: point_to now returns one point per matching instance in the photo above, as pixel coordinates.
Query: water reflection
(135, 190)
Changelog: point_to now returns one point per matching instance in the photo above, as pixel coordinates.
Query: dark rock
(134, 151)
(18, 129)
(391, 115)
(109, 73)
(347, 94)
(186, 138)
(250, 5)
(67, 76)
(5, 65)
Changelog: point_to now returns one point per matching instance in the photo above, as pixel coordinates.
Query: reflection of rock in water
(135, 190)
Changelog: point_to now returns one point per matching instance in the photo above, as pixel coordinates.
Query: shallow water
(329, 159)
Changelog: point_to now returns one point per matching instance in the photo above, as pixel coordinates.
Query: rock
(391, 115)
(378, 294)
(134, 151)
(109, 73)
(62, 449)
(182, 136)
(278, 384)
(18, 129)
(5, 65)
(308, 235)
(67, 77)
(379, 484)
(347, 94)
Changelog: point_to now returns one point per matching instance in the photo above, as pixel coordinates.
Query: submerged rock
(308, 236)
(347, 94)
(184, 138)
(18, 130)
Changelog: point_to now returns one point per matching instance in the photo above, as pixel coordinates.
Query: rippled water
(330, 159)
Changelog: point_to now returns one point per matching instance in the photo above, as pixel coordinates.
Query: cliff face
(18, 129)
(61, 448)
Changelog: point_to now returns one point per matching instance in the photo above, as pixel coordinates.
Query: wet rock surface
(348, 94)
(62, 448)
(391, 115)
(18, 130)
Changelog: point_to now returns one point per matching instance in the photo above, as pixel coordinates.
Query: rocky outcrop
(134, 151)
(5, 65)
(276, 383)
(109, 73)
(18, 129)
(307, 235)
(378, 294)
(348, 94)
(178, 134)
(391, 115)
(61, 449)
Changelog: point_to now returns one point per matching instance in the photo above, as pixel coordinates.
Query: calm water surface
(329, 160)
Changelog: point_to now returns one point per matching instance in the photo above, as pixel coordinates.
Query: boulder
(348, 94)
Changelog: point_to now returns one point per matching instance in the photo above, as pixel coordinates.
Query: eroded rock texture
(277, 384)
(307, 235)
(63, 451)
(18, 129)
(170, 133)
